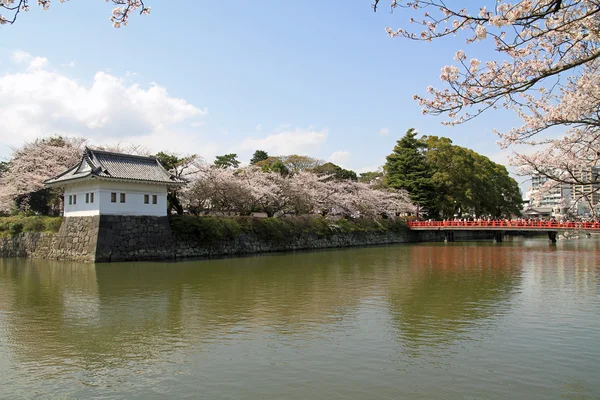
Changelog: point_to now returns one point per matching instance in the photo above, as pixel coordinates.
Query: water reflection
(449, 288)
(372, 309)
(121, 312)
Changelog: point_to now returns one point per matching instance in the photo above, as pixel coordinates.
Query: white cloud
(298, 141)
(384, 131)
(370, 168)
(340, 158)
(20, 57)
(41, 102)
(33, 63)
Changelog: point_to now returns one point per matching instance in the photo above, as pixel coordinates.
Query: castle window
(154, 199)
(146, 199)
(122, 198)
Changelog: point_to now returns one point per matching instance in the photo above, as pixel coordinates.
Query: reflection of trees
(283, 293)
(40, 298)
(109, 315)
(448, 289)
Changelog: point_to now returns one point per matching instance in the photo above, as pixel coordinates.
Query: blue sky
(317, 78)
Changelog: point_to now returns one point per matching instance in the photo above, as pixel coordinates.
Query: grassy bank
(13, 225)
(214, 229)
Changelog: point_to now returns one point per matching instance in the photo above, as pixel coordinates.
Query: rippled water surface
(519, 320)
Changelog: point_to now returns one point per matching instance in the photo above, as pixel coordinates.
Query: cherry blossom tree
(296, 163)
(215, 189)
(357, 199)
(270, 192)
(547, 72)
(251, 189)
(119, 17)
(33, 163)
(124, 148)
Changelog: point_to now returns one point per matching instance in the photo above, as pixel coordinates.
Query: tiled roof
(537, 210)
(109, 165)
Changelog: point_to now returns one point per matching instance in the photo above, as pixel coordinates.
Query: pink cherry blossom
(120, 15)
(546, 71)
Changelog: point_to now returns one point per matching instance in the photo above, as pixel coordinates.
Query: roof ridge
(112, 153)
(120, 166)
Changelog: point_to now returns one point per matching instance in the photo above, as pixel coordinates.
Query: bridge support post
(498, 237)
(552, 236)
(448, 236)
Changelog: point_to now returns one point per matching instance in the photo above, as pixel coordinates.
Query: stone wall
(124, 238)
(249, 244)
(75, 241)
(127, 238)
(26, 245)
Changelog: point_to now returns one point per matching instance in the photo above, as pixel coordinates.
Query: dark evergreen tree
(335, 171)
(259, 155)
(406, 168)
(227, 161)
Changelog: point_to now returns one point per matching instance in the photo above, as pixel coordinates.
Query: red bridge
(501, 226)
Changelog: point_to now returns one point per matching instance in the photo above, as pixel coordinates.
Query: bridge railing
(511, 224)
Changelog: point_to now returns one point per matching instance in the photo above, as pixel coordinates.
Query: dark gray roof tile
(105, 164)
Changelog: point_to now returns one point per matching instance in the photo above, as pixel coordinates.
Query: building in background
(586, 198)
(107, 183)
(567, 198)
(557, 198)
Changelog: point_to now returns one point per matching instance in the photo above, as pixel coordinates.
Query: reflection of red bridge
(501, 226)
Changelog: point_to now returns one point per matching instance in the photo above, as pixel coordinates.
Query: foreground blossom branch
(120, 14)
(547, 71)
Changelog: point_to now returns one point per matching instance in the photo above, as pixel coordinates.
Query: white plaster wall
(81, 209)
(134, 199)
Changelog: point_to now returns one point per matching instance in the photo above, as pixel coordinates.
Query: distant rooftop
(116, 166)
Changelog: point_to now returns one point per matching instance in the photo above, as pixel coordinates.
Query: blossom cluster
(35, 162)
(251, 189)
(547, 72)
(210, 189)
(119, 17)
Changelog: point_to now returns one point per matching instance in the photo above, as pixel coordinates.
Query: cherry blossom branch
(120, 15)
(547, 72)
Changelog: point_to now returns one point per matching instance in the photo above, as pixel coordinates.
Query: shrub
(206, 229)
(16, 224)
(52, 224)
(33, 224)
(14, 228)
(215, 229)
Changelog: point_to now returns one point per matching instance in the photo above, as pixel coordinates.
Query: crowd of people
(514, 222)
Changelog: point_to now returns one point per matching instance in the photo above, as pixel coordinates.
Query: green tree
(259, 155)
(452, 174)
(336, 172)
(227, 161)
(407, 168)
(4, 167)
(178, 166)
(467, 182)
(273, 164)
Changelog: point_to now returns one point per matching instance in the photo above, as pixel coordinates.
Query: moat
(518, 319)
